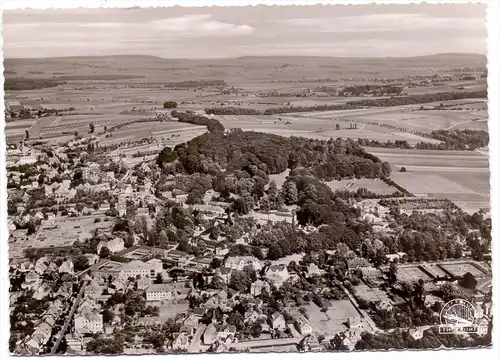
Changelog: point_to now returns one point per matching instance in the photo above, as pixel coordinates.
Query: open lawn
(333, 320)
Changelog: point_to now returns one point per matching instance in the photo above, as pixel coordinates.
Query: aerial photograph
(247, 179)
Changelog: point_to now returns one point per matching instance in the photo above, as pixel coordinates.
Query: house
(210, 334)
(191, 321)
(385, 305)
(303, 325)
(258, 286)
(159, 292)
(181, 342)
(66, 267)
(138, 268)
(226, 331)
(371, 273)
(239, 262)
(277, 274)
(278, 321)
(39, 337)
(313, 270)
(224, 273)
(252, 316)
(88, 322)
(114, 246)
(41, 265)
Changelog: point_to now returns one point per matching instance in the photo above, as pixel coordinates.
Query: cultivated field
(376, 186)
(313, 126)
(461, 176)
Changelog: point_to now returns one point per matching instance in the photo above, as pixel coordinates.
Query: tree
(337, 126)
(81, 263)
(386, 169)
(217, 283)
(159, 279)
(104, 253)
(403, 169)
(92, 128)
(256, 330)
(468, 281)
(391, 275)
(290, 193)
(169, 105)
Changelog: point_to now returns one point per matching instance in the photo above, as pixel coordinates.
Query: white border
(493, 25)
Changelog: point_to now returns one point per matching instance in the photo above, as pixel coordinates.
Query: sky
(225, 32)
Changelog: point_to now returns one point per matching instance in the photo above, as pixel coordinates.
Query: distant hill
(235, 70)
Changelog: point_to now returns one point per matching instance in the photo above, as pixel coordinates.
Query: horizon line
(248, 56)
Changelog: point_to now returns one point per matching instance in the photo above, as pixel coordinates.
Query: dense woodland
(457, 140)
(450, 140)
(16, 84)
(373, 90)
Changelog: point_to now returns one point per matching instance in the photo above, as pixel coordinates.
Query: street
(68, 320)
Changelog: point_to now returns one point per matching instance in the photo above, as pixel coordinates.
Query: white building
(114, 246)
(138, 268)
(277, 274)
(159, 292)
(88, 322)
(239, 262)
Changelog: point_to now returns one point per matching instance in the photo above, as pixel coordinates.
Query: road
(68, 319)
(265, 343)
(194, 347)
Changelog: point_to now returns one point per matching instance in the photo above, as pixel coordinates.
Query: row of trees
(350, 105)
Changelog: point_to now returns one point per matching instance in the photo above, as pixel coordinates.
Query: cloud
(385, 22)
(200, 25)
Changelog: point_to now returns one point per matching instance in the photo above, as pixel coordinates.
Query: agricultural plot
(376, 186)
(176, 131)
(314, 127)
(428, 184)
(460, 176)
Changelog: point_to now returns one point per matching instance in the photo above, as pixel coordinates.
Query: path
(265, 343)
(194, 347)
(68, 319)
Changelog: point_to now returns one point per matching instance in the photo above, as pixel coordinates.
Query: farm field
(376, 186)
(153, 129)
(314, 127)
(460, 176)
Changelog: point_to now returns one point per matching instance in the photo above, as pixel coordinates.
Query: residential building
(137, 269)
(114, 246)
(277, 274)
(303, 325)
(181, 342)
(88, 322)
(159, 292)
(258, 286)
(239, 262)
(278, 321)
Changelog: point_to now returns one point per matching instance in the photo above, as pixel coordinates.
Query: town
(126, 249)
(333, 196)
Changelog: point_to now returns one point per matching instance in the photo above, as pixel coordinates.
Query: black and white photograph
(247, 179)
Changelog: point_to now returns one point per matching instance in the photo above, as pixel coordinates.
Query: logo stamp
(458, 316)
